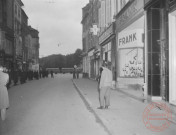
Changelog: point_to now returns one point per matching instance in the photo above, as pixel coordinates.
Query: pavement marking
(88, 106)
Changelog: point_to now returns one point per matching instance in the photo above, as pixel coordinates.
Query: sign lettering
(131, 38)
(107, 33)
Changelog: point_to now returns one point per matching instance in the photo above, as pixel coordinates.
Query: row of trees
(63, 61)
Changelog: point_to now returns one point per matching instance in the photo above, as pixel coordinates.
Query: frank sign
(131, 38)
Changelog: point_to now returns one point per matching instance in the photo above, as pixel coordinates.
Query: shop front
(107, 44)
(130, 42)
(158, 49)
(130, 53)
(172, 52)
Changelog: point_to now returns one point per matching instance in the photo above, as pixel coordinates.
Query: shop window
(131, 62)
(107, 52)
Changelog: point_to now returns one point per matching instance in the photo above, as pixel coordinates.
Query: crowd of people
(9, 78)
(22, 76)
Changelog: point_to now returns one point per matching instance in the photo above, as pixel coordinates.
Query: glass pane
(131, 62)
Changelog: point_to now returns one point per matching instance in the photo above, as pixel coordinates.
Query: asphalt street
(49, 106)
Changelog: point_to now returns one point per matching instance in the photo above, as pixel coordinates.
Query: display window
(131, 53)
(131, 62)
(107, 52)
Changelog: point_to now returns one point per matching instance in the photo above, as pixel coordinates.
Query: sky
(58, 23)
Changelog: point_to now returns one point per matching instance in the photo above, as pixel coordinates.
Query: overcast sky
(58, 23)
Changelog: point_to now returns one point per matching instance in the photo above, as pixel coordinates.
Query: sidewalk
(124, 117)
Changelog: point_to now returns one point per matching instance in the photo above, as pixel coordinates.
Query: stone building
(17, 14)
(6, 33)
(107, 40)
(25, 33)
(34, 52)
(85, 38)
(19, 43)
(90, 38)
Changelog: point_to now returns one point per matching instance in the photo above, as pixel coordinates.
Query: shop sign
(131, 38)
(95, 29)
(129, 12)
(106, 34)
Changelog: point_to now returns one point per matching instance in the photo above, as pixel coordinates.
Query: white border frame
(172, 58)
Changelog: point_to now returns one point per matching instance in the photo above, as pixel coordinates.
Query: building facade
(34, 47)
(6, 33)
(17, 33)
(90, 38)
(138, 38)
(19, 43)
(85, 38)
(107, 39)
(161, 30)
(24, 32)
(130, 43)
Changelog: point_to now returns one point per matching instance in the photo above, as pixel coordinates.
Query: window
(107, 52)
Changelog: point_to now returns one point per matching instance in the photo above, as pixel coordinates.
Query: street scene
(48, 106)
(80, 67)
(62, 106)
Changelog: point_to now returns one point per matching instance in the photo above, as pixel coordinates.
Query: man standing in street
(52, 74)
(105, 86)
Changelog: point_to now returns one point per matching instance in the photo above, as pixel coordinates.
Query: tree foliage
(63, 61)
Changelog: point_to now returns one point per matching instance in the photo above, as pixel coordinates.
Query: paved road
(48, 107)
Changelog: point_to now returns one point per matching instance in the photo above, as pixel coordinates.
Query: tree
(59, 60)
(77, 57)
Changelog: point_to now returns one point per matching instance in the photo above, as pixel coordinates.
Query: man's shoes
(101, 107)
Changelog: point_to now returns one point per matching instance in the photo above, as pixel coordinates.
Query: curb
(88, 105)
(131, 96)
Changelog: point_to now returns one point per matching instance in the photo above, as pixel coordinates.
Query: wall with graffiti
(131, 62)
